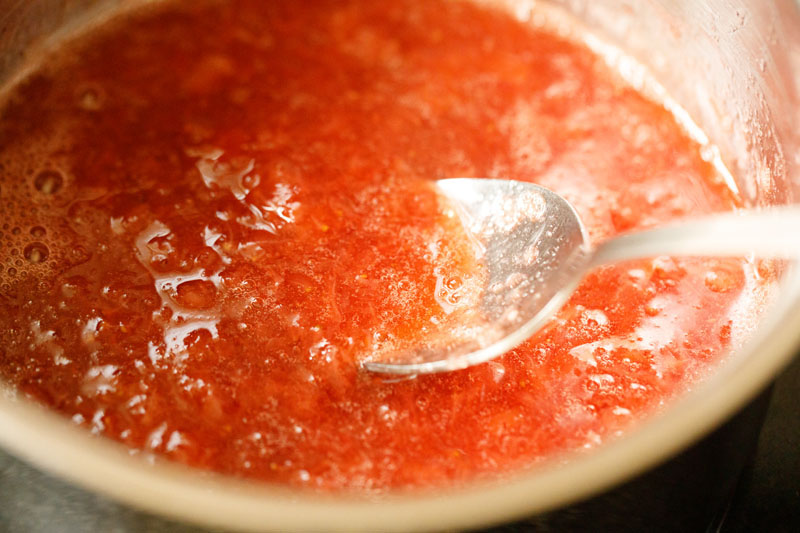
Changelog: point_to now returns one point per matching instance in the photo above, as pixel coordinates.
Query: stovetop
(767, 500)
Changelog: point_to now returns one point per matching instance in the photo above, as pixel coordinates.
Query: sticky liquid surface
(212, 211)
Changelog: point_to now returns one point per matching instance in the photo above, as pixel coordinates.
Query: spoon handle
(774, 232)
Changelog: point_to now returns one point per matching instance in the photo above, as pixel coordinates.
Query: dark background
(767, 498)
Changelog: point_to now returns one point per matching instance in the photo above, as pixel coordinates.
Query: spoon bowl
(536, 252)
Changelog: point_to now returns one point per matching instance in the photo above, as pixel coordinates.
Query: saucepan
(730, 70)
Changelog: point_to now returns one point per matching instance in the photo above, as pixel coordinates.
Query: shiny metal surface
(525, 235)
(536, 252)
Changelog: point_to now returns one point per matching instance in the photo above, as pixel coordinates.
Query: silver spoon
(536, 252)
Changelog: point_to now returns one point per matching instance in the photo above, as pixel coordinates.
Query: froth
(34, 193)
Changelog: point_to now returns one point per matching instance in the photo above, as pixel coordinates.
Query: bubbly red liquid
(213, 211)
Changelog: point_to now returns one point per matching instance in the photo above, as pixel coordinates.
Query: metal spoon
(536, 252)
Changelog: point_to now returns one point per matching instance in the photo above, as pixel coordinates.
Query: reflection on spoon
(537, 252)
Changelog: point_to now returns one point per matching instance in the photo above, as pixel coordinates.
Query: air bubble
(78, 255)
(497, 370)
(250, 181)
(36, 252)
(90, 99)
(196, 294)
(48, 182)
(453, 283)
(38, 232)
(722, 278)
(16, 231)
(12, 271)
